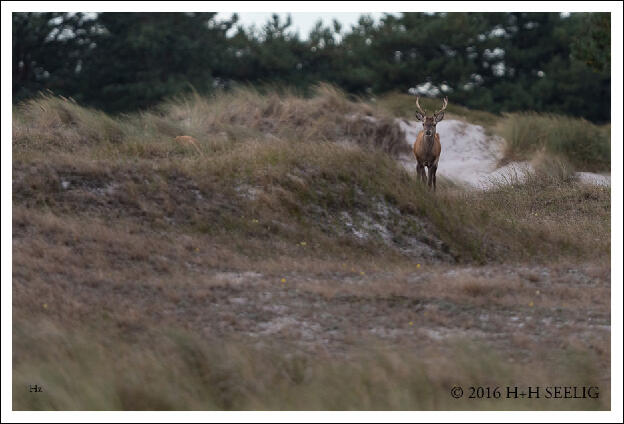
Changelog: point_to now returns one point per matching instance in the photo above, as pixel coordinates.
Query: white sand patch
(237, 278)
(469, 156)
(591, 178)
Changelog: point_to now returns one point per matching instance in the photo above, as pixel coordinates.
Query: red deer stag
(427, 146)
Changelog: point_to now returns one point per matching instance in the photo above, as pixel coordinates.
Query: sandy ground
(471, 157)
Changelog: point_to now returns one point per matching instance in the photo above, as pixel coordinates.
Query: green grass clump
(585, 145)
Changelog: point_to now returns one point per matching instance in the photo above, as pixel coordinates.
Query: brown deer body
(427, 147)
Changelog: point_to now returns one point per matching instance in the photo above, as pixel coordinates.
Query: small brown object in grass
(187, 140)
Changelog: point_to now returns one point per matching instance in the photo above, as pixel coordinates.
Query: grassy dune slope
(291, 264)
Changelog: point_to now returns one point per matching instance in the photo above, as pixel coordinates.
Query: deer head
(429, 122)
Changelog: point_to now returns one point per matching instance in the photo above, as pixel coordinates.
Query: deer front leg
(420, 171)
(432, 177)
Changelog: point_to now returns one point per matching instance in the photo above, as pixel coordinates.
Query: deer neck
(429, 141)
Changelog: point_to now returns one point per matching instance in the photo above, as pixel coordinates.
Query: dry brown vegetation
(292, 265)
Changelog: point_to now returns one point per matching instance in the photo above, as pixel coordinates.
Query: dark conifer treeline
(499, 62)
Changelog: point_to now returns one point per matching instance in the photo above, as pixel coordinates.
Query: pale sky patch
(302, 22)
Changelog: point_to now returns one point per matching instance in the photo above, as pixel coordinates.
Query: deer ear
(420, 116)
(439, 117)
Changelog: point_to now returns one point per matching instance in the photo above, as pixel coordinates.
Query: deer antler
(443, 106)
(419, 108)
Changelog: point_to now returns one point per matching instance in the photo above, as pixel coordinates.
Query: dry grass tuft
(207, 374)
(327, 116)
(50, 123)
